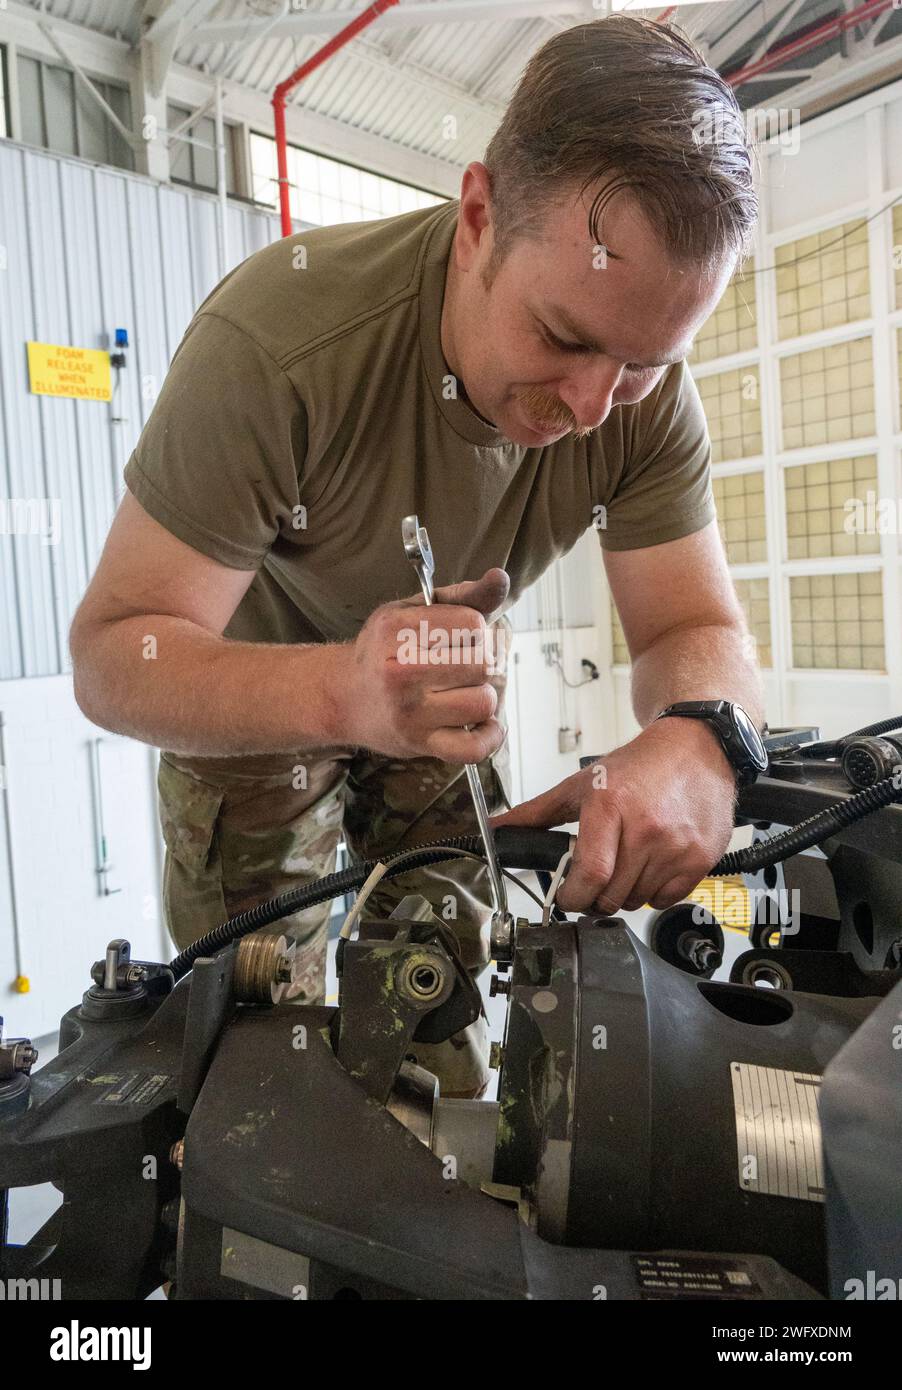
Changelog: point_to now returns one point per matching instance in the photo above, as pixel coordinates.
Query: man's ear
(474, 222)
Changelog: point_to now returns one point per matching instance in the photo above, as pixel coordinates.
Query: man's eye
(561, 346)
(641, 371)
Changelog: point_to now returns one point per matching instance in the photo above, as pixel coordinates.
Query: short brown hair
(621, 103)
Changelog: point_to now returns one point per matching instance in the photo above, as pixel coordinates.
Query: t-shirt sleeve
(664, 491)
(218, 461)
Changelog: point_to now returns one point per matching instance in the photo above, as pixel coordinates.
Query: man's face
(547, 341)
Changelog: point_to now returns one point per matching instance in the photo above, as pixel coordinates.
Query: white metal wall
(86, 250)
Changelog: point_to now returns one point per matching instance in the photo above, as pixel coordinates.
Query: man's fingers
(465, 745)
(593, 864)
(485, 594)
(626, 881)
(465, 704)
(672, 891)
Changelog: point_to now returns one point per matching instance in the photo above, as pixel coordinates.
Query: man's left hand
(654, 817)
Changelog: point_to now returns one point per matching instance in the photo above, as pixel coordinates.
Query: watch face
(750, 737)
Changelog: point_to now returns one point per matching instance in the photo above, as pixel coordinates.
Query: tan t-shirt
(309, 408)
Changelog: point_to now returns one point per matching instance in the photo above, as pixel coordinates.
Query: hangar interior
(138, 168)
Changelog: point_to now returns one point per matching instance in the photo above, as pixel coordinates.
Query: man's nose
(589, 393)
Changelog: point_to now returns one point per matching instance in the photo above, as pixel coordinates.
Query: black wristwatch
(739, 739)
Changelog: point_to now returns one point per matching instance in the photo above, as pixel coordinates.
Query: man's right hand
(423, 681)
(150, 661)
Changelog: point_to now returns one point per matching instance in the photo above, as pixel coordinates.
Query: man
(510, 367)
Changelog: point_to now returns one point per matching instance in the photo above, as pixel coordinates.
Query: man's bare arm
(662, 815)
(150, 661)
(686, 632)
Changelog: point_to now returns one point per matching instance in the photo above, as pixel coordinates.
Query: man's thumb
(485, 594)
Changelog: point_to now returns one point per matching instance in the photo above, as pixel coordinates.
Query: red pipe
(665, 15)
(344, 36)
(804, 42)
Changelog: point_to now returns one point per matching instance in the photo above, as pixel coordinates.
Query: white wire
(347, 925)
(555, 884)
(380, 870)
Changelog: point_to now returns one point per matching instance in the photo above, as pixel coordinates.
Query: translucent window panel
(837, 621)
(98, 138)
(92, 128)
(754, 595)
(264, 170)
(733, 327)
(59, 109)
(822, 280)
(827, 395)
(817, 515)
(195, 164)
(328, 191)
(740, 515)
(204, 156)
(733, 411)
(181, 165)
(31, 103)
(349, 183)
(619, 650)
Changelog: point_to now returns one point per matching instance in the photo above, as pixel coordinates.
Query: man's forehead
(663, 355)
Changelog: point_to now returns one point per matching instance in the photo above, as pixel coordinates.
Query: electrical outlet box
(568, 740)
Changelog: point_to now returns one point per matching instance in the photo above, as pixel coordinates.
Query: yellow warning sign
(84, 373)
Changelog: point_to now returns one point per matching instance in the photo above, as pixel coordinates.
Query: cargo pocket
(188, 811)
(193, 898)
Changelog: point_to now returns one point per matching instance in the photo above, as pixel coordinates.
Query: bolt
(499, 986)
(24, 1056)
(496, 1056)
(135, 974)
(705, 956)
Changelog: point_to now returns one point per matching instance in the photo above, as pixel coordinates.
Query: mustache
(551, 411)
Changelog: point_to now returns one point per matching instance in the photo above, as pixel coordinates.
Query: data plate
(778, 1131)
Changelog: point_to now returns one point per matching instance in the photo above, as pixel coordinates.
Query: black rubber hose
(808, 832)
(516, 847)
(524, 848)
(829, 747)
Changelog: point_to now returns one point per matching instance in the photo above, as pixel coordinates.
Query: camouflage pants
(241, 830)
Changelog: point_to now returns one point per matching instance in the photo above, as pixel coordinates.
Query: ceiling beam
(749, 27)
(163, 17)
(166, 24)
(838, 80)
(418, 13)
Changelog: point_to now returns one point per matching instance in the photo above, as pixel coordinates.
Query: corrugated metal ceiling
(399, 83)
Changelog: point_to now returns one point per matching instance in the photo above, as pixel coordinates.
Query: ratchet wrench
(419, 553)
